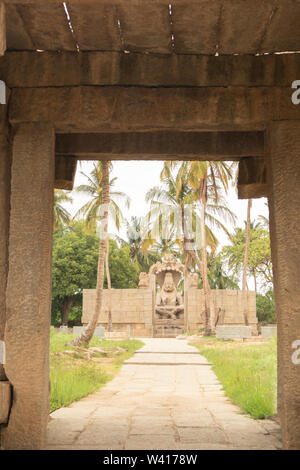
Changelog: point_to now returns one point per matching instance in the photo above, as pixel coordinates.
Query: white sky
(135, 178)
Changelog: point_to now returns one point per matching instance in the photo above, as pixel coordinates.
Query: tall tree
(259, 257)
(169, 202)
(92, 215)
(74, 267)
(245, 265)
(207, 180)
(95, 189)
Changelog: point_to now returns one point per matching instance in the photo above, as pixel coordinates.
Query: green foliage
(265, 307)
(75, 256)
(247, 373)
(93, 188)
(75, 260)
(123, 271)
(176, 192)
(71, 383)
(217, 277)
(138, 242)
(260, 264)
(72, 378)
(74, 267)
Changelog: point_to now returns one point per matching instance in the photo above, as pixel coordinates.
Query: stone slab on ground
(149, 407)
(99, 331)
(233, 332)
(268, 332)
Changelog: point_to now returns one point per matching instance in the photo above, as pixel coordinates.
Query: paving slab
(165, 397)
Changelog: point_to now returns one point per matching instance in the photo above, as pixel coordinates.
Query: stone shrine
(169, 307)
(158, 309)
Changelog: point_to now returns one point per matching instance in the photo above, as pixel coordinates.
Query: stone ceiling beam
(123, 109)
(41, 69)
(91, 2)
(165, 145)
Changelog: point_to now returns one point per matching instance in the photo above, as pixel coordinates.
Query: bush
(265, 307)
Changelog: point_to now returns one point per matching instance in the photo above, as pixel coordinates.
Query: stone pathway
(165, 397)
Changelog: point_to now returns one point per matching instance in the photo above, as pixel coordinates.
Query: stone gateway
(149, 84)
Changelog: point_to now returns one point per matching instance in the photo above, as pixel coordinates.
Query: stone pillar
(4, 226)
(28, 297)
(284, 204)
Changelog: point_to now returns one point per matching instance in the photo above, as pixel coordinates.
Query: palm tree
(98, 188)
(166, 244)
(208, 179)
(139, 243)
(170, 200)
(61, 216)
(205, 181)
(245, 264)
(94, 189)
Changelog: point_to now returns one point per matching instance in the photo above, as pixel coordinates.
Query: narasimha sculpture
(169, 303)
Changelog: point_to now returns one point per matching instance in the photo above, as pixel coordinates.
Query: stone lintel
(161, 145)
(36, 69)
(65, 170)
(252, 178)
(121, 109)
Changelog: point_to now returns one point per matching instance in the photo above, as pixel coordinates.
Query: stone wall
(134, 308)
(130, 307)
(225, 303)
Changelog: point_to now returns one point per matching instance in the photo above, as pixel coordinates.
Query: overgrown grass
(73, 377)
(248, 374)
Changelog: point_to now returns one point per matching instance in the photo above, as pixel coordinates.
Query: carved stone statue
(169, 303)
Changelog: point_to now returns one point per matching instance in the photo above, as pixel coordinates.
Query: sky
(135, 178)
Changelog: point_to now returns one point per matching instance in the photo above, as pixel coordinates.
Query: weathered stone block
(268, 332)
(99, 331)
(64, 329)
(233, 332)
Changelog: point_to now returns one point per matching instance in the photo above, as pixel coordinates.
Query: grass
(247, 372)
(73, 377)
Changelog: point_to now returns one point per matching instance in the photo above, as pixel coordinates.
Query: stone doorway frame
(258, 125)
